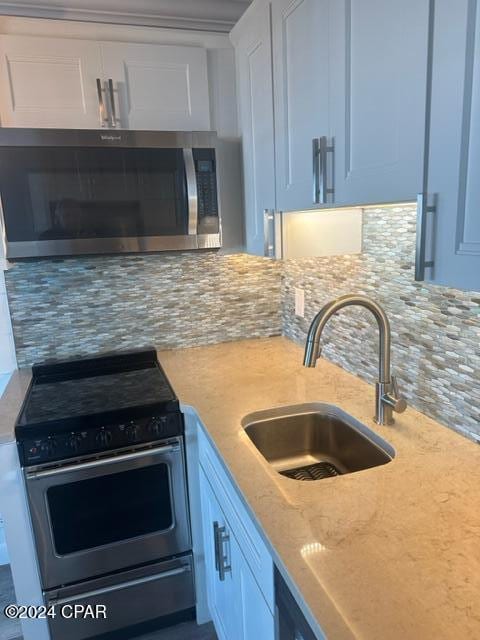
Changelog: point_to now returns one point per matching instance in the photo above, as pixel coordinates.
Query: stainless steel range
(101, 443)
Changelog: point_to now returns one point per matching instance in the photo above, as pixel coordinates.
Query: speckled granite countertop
(386, 553)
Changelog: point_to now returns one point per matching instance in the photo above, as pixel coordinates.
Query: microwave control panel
(206, 173)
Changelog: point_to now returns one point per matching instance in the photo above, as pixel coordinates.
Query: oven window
(99, 511)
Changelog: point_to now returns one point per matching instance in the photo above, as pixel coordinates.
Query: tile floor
(10, 629)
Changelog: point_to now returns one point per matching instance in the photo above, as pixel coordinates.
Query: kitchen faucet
(387, 397)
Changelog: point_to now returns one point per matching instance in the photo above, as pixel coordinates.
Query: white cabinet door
(220, 593)
(49, 82)
(253, 51)
(254, 618)
(378, 95)
(237, 606)
(301, 70)
(454, 150)
(160, 87)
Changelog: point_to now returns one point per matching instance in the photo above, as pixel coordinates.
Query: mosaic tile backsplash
(435, 330)
(78, 306)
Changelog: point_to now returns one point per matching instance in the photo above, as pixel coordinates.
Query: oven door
(99, 516)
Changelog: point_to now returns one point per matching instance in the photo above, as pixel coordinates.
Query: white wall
(8, 363)
(8, 360)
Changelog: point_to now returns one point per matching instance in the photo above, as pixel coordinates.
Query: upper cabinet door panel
(159, 87)
(49, 83)
(454, 151)
(301, 68)
(253, 52)
(378, 91)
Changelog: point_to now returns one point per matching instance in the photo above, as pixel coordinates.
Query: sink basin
(315, 441)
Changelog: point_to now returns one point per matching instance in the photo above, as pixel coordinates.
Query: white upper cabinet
(54, 82)
(253, 49)
(452, 181)
(349, 84)
(49, 82)
(300, 63)
(158, 86)
(378, 80)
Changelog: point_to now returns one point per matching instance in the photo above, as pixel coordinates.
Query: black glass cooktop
(84, 388)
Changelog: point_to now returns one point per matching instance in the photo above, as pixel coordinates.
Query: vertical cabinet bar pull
(423, 209)
(101, 105)
(316, 169)
(113, 112)
(221, 537)
(322, 161)
(215, 544)
(269, 233)
(320, 151)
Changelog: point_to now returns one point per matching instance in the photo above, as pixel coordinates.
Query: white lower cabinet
(253, 616)
(237, 605)
(238, 566)
(220, 592)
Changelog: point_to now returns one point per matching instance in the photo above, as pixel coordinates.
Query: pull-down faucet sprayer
(387, 398)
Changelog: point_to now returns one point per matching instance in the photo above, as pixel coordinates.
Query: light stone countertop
(11, 402)
(386, 553)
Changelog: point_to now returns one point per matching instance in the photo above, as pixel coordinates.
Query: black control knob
(48, 448)
(131, 431)
(158, 426)
(104, 438)
(74, 442)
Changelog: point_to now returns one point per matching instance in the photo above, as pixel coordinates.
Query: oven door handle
(124, 585)
(169, 448)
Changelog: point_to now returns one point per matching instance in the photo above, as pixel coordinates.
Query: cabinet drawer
(250, 541)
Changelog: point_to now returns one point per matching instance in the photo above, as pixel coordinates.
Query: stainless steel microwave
(72, 192)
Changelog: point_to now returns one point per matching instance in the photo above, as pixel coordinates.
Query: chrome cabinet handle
(423, 208)
(316, 169)
(269, 233)
(322, 161)
(113, 114)
(101, 105)
(216, 527)
(220, 538)
(320, 151)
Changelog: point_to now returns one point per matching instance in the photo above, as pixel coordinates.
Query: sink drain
(316, 471)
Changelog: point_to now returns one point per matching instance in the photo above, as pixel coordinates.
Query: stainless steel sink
(315, 441)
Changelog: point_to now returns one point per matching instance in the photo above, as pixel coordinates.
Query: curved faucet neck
(312, 349)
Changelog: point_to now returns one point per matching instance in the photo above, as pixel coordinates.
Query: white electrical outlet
(299, 302)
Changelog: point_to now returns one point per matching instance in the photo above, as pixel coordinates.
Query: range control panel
(73, 444)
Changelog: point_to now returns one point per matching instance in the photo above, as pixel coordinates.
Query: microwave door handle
(191, 191)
